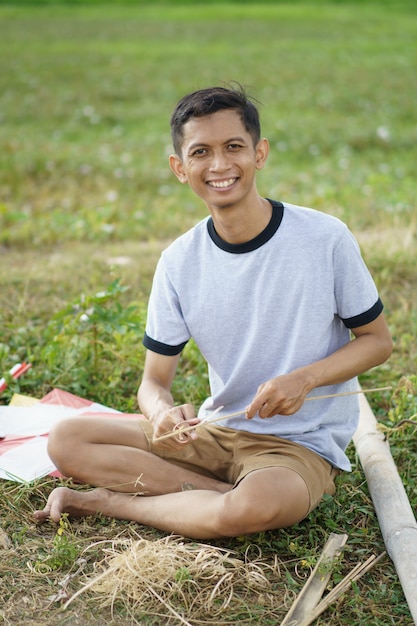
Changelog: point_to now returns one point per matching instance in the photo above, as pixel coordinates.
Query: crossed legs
(113, 455)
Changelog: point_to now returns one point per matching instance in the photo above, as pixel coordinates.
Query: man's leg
(265, 499)
(113, 453)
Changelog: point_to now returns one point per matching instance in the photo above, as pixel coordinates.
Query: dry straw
(185, 582)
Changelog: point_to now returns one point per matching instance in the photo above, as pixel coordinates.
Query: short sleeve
(356, 294)
(166, 331)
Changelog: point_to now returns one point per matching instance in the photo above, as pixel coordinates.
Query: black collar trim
(258, 241)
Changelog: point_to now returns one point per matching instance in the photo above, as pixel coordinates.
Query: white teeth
(222, 184)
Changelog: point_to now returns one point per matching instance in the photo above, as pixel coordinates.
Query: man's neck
(240, 224)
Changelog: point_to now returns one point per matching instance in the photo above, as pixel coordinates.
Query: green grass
(95, 90)
(87, 202)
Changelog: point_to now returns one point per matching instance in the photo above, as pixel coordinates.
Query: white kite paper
(24, 428)
(27, 461)
(39, 418)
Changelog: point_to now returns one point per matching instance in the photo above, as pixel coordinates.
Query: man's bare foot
(75, 503)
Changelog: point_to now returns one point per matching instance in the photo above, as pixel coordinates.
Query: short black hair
(210, 100)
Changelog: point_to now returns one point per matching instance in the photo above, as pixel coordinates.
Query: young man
(270, 292)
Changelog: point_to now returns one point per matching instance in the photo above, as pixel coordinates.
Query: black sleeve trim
(364, 318)
(162, 348)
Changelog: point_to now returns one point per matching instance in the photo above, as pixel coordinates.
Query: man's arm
(154, 394)
(286, 394)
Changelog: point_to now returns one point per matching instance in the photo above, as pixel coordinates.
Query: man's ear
(176, 165)
(262, 151)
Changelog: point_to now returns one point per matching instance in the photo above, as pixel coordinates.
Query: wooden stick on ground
(307, 607)
(312, 592)
(340, 589)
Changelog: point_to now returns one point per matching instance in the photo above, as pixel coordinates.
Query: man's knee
(265, 500)
(64, 442)
(241, 516)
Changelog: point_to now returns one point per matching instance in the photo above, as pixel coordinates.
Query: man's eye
(199, 152)
(234, 146)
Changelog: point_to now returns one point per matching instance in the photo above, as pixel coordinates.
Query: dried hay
(183, 580)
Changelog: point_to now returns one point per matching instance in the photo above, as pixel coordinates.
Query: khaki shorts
(229, 455)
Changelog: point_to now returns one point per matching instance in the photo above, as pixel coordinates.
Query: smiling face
(219, 161)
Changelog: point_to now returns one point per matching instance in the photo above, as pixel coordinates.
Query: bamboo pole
(395, 515)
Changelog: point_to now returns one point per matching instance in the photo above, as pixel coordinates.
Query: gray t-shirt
(263, 308)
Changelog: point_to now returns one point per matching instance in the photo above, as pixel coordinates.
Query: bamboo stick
(393, 509)
(187, 429)
(313, 590)
(359, 570)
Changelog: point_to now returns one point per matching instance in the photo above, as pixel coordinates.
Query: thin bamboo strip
(187, 429)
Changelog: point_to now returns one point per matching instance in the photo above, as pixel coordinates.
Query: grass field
(87, 202)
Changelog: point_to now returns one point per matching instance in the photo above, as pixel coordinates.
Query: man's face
(219, 160)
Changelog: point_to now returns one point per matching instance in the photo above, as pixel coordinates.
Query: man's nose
(219, 162)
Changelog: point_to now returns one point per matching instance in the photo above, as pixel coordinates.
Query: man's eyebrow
(201, 144)
(192, 146)
(238, 139)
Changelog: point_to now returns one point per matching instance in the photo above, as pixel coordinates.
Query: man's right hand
(165, 421)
